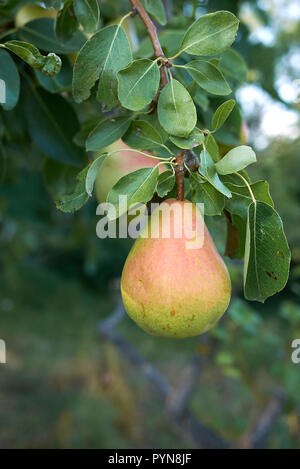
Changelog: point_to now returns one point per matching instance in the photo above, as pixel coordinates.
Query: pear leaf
(241, 198)
(88, 14)
(66, 22)
(267, 255)
(176, 110)
(222, 113)
(138, 84)
(212, 147)
(49, 65)
(102, 56)
(142, 135)
(208, 77)
(235, 160)
(10, 76)
(92, 173)
(165, 183)
(41, 33)
(208, 171)
(136, 187)
(76, 200)
(204, 192)
(233, 65)
(107, 131)
(156, 8)
(195, 139)
(210, 34)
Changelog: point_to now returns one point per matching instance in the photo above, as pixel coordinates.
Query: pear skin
(168, 288)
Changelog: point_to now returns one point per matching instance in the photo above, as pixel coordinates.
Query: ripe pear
(169, 288)
(116, 166)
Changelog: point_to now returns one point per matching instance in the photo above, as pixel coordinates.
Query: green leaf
(195, 139)
(165, 183)
(92, 173)
(10, 84)
(210, 34)
(41, 33)
(142, 135)
(267, 255)
(52, 124)
(66, 22)
(201, 100)
(235, 160)
(176, 110)
(204, 192)
(88, 14)
(241, 198)
(212, 147)
(85, 129)
(84, 187)
(208, 76)
(156, 8)
(49, 65)
(102, 56)
(138, 84)
(233, 64)
(208, 171)
(76, 200)
(139, 187)
(222, 113)
(107, 131)
(235, 179)
(59, 177)
(60, 82)
(170, 41)
(241, 226)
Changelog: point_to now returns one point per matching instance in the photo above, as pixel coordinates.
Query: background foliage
(63, 388)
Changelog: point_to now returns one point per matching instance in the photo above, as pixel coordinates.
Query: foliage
(54, 269)
(119, 91)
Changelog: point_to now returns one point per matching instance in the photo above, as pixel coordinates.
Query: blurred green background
(65, 387)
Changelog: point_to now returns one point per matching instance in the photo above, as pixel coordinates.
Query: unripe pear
(117, 165)
(176, 286)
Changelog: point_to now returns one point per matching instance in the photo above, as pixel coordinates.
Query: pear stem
(179, 172)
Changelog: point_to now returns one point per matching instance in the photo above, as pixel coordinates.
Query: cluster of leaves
(123, 89)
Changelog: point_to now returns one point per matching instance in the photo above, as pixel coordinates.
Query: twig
(179, 172)
(185, 422)
(151, 28)
(257, 437)
(178, 398)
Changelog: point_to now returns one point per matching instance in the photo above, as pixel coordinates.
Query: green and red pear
(176, 286)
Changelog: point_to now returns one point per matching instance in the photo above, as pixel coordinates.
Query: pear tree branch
(176, 398)
(152, 31)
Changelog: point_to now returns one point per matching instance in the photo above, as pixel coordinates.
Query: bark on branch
(151, 28)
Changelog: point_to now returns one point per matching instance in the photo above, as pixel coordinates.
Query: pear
(175, 284)
(117, 165)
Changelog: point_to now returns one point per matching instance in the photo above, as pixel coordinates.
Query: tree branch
(257, 437)
(151, 28)
(179, 173)
(184, 422)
